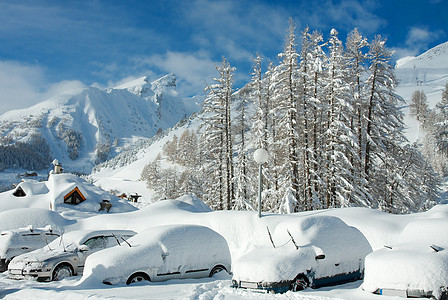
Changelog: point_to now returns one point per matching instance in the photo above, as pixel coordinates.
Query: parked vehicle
(312, 251)
(416, 266)
(161, 253)
(65, 256)
(23, 240)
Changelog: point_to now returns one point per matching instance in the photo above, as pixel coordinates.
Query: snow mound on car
(297, 243)
(36, 217)
(418, 261)
(189, 203)
(183, 246)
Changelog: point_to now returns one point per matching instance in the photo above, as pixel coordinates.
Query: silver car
(162, 253)
(23, 240)
(65, 256)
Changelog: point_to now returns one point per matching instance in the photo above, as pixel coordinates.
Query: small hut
(134, 198)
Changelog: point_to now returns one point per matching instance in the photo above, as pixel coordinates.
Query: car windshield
(98, 242)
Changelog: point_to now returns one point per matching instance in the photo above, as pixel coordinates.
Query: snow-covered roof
(50, 195)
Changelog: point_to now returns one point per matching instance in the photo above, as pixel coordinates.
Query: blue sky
(49, 46)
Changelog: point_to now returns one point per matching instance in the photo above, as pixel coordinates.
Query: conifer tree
(355, 58)
(285, 98)
(339, 137)
(217, 136)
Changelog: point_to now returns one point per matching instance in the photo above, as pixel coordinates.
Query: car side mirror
(320, 256)
(83, 248)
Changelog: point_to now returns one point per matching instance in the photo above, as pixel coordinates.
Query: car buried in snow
(416, 266)
(23, 240)
(161, 253)
(310, 251)
(65, 256)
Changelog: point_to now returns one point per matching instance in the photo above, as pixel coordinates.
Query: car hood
(41, 255)
(274, 265)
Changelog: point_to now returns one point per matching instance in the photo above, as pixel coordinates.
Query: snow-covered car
(23, 240)
(416, 266)
(310, 251)
(161, 253)
(65, 256)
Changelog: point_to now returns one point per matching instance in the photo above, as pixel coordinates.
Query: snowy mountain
(87, 126)
(427, 72)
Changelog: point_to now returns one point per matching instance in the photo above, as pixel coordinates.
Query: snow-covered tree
(441, 130)
(217, 137)
(338, 136)
(285, 98)
(355, 58)
(419, 105)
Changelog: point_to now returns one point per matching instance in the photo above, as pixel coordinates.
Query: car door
(171, 267)
(93, 244)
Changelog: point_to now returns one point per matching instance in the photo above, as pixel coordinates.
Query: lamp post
(260, 156)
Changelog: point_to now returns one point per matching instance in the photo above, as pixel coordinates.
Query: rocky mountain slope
(88, 126)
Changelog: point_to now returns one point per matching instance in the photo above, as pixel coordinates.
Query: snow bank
(188, 203)
(36, 217)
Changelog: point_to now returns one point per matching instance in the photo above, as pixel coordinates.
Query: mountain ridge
(90, 125)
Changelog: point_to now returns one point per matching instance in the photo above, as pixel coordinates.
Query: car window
(98, 242)
(32, 238)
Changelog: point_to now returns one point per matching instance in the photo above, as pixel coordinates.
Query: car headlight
(36, 265)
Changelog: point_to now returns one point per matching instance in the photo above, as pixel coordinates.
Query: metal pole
(260, 187)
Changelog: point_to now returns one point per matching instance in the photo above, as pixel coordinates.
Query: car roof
(28, 229)
(80, 236)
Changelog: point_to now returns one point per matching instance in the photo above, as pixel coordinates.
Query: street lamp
(261, 156)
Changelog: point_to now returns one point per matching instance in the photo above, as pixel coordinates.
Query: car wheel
(216, 270)
(61, 272)
(137, 277)
(299, 283)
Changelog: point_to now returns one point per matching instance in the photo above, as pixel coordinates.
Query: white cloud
(417, 41)
(421, 37)
(234, 27)
(348, 14)
(23, 85)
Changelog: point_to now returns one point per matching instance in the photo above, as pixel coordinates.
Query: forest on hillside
(331, 122)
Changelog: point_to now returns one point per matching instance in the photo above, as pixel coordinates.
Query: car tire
(4, 264)
(61, 272)
(137, 277)
(216, 270)
(299, 283)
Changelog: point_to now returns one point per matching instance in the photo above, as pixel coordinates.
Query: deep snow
(243, 231)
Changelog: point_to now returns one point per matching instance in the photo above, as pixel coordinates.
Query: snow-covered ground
(209, 288)
(243, 231)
